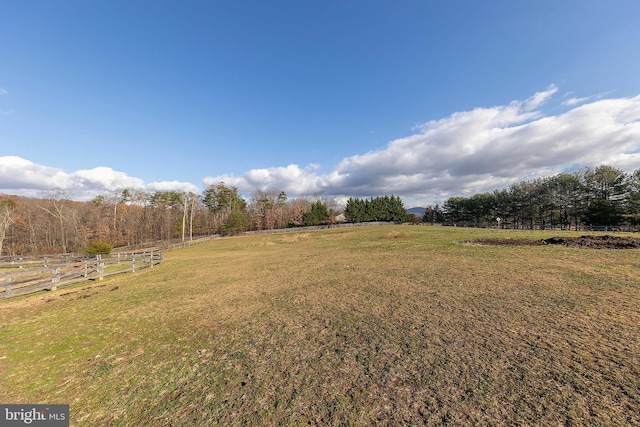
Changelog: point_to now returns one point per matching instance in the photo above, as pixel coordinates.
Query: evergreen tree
(632, 202)
(235, 223)
(317, 215)
(433, 215)
(381, 208)
(222, 199)
(354, 210)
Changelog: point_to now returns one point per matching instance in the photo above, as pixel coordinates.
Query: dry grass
(340, 327)
(396, 235)
(294, 237)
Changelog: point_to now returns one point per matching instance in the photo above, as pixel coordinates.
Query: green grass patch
(359, 326)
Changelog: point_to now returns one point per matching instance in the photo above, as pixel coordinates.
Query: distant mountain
(416, 211)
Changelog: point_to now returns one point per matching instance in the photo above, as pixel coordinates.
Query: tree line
(57, 224)
(598, 196)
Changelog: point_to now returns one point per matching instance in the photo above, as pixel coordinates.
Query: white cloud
(105, 178)
(474, 151)
(571, 102)
(177, 186)
(466, 153)
(292, 179)
(23, 177)
(17, 173)
(574, 101)
(3, 91)
(539, 98)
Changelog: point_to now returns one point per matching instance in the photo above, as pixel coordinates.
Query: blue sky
(423, 99)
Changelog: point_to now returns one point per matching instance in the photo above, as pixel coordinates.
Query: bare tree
(268, 208)
(189, 204)
(194, 200)
(58, 201)
(6, 218)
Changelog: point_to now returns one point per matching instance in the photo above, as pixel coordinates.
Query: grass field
(373, 325)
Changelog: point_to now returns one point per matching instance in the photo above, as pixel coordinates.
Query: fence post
(133, 262)
(7, 288)
(151, 259)
(55, 278)
(100, 267)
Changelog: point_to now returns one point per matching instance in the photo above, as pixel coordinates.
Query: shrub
(98, 248)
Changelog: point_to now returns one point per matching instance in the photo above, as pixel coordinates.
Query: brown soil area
(595, 242)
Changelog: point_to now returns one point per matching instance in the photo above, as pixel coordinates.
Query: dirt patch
(507, 242)
(594, 242)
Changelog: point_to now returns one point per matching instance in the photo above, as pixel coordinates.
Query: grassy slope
(341, 327)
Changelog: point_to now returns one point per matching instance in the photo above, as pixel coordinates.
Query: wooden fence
(20, 275)
(536, 226)
(24, 275)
